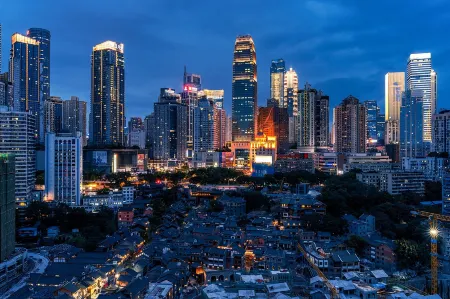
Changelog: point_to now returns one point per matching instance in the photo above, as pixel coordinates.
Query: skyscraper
(277, 70)
(107, 94)
(7, 206)
(381, 125)
(350, 126)
(189, 97)
(169, 134)
(290, 92)
(244, 89)
(220, 116)
(394, 86)
(74, 117)
(421, 77)
(274, 121)
(441, 132)
(135, 124)
(192, 80)
(312, 126)
(204, 133)
(149, 126)
(53, 115)
(411, 124)
(63, 168)
(43, 37)
(17, 131)
(372, 114)
(24, 72)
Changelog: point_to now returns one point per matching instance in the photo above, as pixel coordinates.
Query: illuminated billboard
(263, 159)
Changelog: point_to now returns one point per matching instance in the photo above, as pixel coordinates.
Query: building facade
(244, 90)
(446, 193)
(290, 91)
(411, 125)
(63, 168)
(394, 86)
(398, 182)
(274, 121)
(17, 132)
(43, 36)
(421, 77)
(74, 117)
(204, 134)
(441, 132)
(53, 115)
(7, 206)
(107, 94)
(372, 113)
(135, 124)
(277, 71)
(350, 126)
(6, 91)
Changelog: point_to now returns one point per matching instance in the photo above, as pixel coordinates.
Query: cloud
(328, 9)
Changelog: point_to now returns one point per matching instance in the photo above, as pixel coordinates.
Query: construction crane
(434, 234)
(334, 292)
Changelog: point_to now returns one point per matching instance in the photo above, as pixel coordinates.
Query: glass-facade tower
(43, 37)
(107, 94)
(411, 124)
(277, 70)
(372, 113)
(244, 90)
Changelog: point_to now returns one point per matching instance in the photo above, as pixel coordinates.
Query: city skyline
(316, 55)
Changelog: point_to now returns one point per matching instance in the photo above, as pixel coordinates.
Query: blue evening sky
(340, 46)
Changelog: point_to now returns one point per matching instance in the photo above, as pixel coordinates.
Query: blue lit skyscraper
(277, 70)
(244, 90)
(24, 70)
(43, 37)
(372, 113)
(107, 94)
(411, 124)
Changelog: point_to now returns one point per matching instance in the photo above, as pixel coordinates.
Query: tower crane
(434, 234)
(333, 291)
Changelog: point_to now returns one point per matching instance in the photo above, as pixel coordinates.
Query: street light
(434, 232)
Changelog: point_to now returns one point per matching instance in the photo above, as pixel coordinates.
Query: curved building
(244, 90)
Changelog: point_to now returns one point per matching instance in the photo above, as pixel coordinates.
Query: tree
(357, 243)
(256, 201)
(411, 255)
(433, 190)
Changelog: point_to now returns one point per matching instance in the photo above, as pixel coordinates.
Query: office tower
(24, 72)
(421, 77)
(216, 96)
(350, 126)
(169, 137)
(441, 132)
(312, 126)
(204, 126)
(7, 206)
(43, 37)
(220, 128)
(229, 129)
(411, 124)
(290, 92)
(192, 80)
(244, 89)
(149, 126)
(53, 110)
(381, 125)
(277, 70)
(17, 131)
(74, 117)
(63, 168)
(107, 94)
(274, 121)
(135, 124)
(189, 97)
(372, 113)
(394, 86)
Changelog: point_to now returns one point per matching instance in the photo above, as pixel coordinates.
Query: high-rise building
(277, 70)
(137, 138)
(107, 94)
(372, 118)
(229, 129)
(312, 126)
(6, 91)
(53, 110)
(394, 86)
(24, 73)
(244, 90)
(411, 125)
(169, 135)
(381, 125)
(189, 97)
(63, 168)
(135, 124)
(215, 95)
(220, 116)
(74, 117)
(17, 131)
(43, 37)
(421, 77)
(149, 126)
(193, 80)
(290, 92)
(7, 206)
(204, 134)
(350, 126)
(274, 121)
(441, 132)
